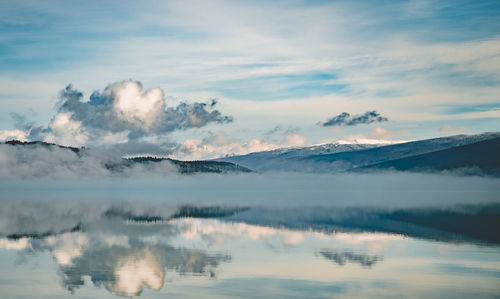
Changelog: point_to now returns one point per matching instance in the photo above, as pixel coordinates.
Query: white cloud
(65, 131)
(7, 135)
(133, 105)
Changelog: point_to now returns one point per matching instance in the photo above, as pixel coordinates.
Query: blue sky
(431, 67)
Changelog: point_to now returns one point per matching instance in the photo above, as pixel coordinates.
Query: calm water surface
(61, 240)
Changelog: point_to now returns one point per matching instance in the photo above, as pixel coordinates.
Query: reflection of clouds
(124, 257)
(132, 272)
(18, 244)
(66, 247)
(126, 270)
(123, 263)
(341, 258)
(218, 232)
(374, 241)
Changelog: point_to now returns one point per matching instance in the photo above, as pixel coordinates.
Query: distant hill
(483, 156)
(343, 157)
(76, 150)
(349, 160)
(286, 158)
(194, 166)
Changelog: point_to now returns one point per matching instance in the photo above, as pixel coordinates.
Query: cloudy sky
(199, 79)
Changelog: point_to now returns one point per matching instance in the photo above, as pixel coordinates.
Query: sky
(202, 79)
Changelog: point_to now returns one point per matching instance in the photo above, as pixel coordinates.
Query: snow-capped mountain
(275, 159)
(344, 156)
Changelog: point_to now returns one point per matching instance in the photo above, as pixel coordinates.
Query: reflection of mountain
(341, 258)
(183, 211)
(460, 223)
(346, 157)
(471, 223)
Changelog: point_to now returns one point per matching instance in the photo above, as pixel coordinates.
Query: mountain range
(480, 152)
(465, 154)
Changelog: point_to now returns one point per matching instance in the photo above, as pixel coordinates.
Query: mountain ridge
(346, 158)
(483, 155)
(477, 153)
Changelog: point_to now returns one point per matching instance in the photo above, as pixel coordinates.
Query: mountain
(193, 166)
(76, 150)
(349, 160)
(282, 158)
(476, 153)
(483, 156)
(345, 157)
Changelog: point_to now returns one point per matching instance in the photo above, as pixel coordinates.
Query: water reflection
(341, 258)
(124, 271)
(124, 262)
(226, 259)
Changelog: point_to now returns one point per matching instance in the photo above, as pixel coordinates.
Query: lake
(251, 236)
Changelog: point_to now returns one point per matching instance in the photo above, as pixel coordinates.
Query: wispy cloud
(409, 55)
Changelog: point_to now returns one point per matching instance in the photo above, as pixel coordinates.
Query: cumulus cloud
(122, 111)
(346, 119)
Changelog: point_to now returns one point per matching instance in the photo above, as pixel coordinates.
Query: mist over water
(49, 205)
(377, 189)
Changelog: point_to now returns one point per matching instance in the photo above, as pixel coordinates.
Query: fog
(42, 161)
(277, 189)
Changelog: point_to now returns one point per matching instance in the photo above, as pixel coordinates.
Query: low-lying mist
(35, 206)
(268, 189)
(46, 160)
